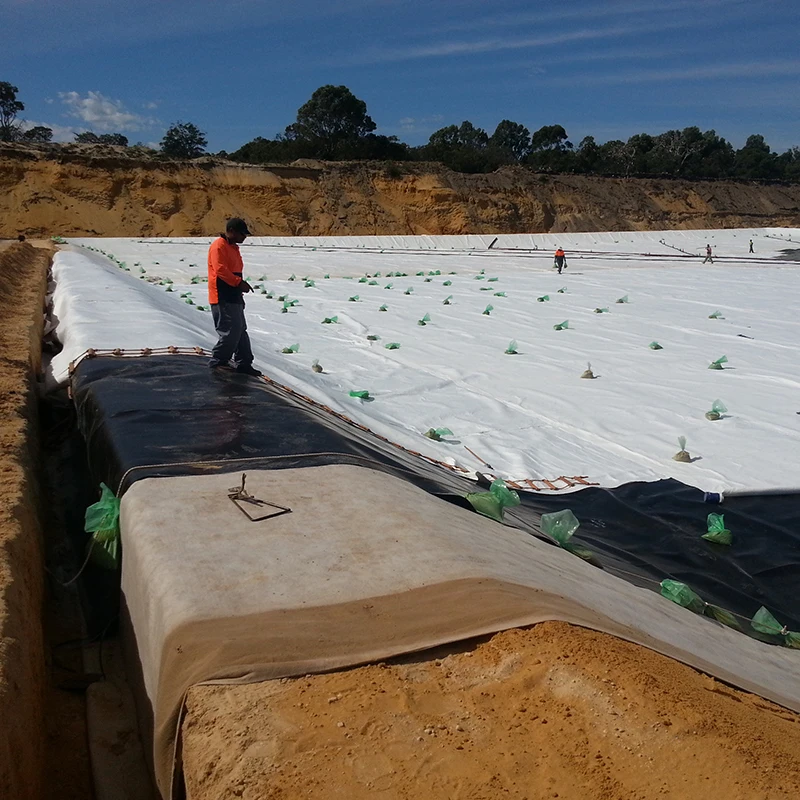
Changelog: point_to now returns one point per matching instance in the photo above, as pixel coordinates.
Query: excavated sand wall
(23, 270)
(104, 192)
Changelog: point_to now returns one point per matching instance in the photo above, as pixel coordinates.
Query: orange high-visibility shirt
(559, 252)
(225, 267)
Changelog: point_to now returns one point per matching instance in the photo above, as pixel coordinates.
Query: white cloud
(151, 105)
(418, 124)
(103, 114)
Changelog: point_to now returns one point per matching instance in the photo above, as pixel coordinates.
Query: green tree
(333, 115)
(87, 137)
(38, 134)
(9, 108)
(756, 160)
(587, 155)
(183, 140)
(550, 137)
(511, 140)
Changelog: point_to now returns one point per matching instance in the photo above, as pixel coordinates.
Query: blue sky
(241, 68)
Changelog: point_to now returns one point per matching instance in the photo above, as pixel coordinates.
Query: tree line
(334, 125)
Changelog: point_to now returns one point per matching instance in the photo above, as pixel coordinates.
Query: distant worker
(226, 288)
(21, 237)
(560, 260)
(751, 246)
(708, 254)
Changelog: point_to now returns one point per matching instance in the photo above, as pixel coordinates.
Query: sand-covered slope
(550, 712)
(80, 190)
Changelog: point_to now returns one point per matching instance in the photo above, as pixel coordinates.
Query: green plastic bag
(480, 277)
(623, 299)
(511, 350)
(292, 277)
(764, 622)
(500, 294)
(446, 301)
(424, 321)
(562, 326)
(420, 274)
(309, 284)
(562, 290)
(189, 301)
(447, 283)
(717, 532)
(361, 394)
(488, 310)
(326, 277)
(543, 299)
(292, 348)
(682, 454)
(718, 408)
(329, 320)
(716, 315)
(195, 279)
(437, 433)
(718, 363)
(388, 286)
(655, 346)
(102, 521)
(169, 289)
(354, 298)
(561, 525)
(392, 346)
(373, 337)
(493, 280)
(384, 307)
(493, 503)
(362, 280)
(486, 288)
(282, 297)
(601, 311)
(681, 594)
(409, 290)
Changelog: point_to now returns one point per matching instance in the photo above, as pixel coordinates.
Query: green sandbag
(500, 294)
(409, 290)
(493, 503)
(561, 326)
(446, 301)
(681, 594)
(601, 311)
(361, 394)
(384, 307)
(623, 299)
(388, 286)
(560, 525)
(420, 274)
(195, 279)
(722, 615)
(309, 284)
(373, 337)
(424, 321)
(353, 299)
(716, 315)
(437, 433)
(362, 280)
(718, 408)
(493, 280)
(479, 277)
(764, 622)
(447, 283)
(292, 277)
(562, 290)
(330, 320)
(718, 363)
(392, 346)
(682, 455)
(511, 350)
(543, 299)
(102, 521)
(293, 348)
(655, 346)
(717, 532)
(488, 310)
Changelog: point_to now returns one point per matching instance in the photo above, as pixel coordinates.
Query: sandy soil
(80, 191)
(22, 271)
(553, 711)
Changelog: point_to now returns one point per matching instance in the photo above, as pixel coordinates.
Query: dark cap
(238, 225)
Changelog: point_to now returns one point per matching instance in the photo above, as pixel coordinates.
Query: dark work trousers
(561, 262)
(233, 340)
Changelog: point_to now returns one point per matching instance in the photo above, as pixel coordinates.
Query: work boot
(249, 370)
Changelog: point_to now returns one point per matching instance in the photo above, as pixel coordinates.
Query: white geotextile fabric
(530, 415)
(364, 567)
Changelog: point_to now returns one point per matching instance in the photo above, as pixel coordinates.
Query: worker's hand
(246, 287)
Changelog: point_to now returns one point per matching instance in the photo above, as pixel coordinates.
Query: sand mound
(551, 711)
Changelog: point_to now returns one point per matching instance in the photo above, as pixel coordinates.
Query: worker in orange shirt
(560, 260)
(226, 290)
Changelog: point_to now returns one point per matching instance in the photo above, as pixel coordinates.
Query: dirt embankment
(74, 191)
(553, 711)
(22, 666)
